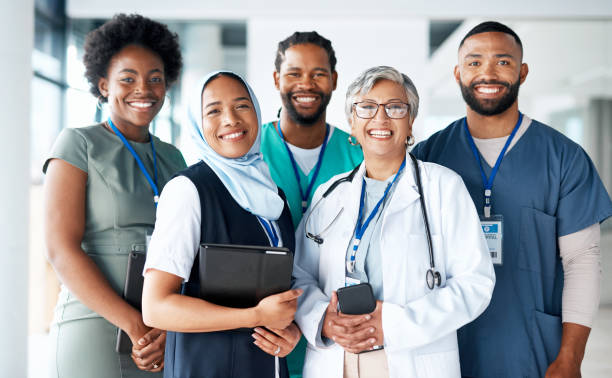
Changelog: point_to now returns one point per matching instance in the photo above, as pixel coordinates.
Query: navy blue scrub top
(546, 187)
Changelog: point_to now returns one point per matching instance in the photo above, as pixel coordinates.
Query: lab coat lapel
(406, 191)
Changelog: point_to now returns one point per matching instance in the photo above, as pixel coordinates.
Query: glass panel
(45, 125)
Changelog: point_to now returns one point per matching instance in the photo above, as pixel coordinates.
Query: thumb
(290, 295)
(333, 303)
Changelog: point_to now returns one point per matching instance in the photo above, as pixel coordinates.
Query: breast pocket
(538, 242)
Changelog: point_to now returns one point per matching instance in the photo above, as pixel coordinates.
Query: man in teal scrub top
(541, 202)
(302, 150)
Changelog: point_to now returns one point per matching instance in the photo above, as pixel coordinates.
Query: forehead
(223, 88)
(384, 90)
(305, 55)
(490, 43)
(135, 55)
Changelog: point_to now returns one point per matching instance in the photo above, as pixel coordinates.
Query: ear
(276, 75)
(334, 80)
(524, 72)
(457, 74)
(103, 86)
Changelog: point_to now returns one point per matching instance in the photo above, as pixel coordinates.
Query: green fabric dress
(119, 212)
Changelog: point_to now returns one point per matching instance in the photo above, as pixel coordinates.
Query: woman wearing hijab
(226, 198)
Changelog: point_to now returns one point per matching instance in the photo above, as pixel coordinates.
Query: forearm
(83, 278)
(573, 342)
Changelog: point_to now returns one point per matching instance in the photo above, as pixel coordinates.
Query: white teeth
(380, 133)
(232, 135)
(488, 90)
(141, 104)
(305, 99)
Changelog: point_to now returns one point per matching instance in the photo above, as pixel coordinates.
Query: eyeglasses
(368, 109)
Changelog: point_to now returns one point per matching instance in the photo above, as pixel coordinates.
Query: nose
(488, 70)
(306, 82)
(230, 118)
(381, 114)
(142, 86)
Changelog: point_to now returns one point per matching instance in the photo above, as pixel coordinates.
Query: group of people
(480, 244)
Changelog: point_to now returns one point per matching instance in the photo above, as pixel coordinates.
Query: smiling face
(381, 136)
(305, 82)
(135, 86)
(229, 120)
(490, 72)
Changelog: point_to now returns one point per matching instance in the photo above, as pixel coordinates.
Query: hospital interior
(567, 45)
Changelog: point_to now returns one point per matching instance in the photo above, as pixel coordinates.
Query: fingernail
(368, 317)
(141, 341)
(257, 329)
(371, 330)
(372, 341)
(334, 338)
(254, 335)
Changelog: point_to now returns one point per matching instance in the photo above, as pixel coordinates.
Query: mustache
(490, 82)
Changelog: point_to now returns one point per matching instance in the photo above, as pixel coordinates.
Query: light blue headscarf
(247, 178)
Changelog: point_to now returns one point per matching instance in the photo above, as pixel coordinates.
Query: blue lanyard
(360, 228)
(488, 183)
(297, 172)
(139, 161)
(269, 227)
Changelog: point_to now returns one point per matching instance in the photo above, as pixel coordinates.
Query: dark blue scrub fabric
(546, 187)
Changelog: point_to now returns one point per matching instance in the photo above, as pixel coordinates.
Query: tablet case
(240, 276)
(356, 299)
(132, 292)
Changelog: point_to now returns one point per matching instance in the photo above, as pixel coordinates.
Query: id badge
(349, 281)
(493, 229)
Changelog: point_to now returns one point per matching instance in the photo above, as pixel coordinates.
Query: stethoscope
(432, 277)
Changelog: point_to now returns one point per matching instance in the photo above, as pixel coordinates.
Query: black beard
(302, 119)
(490, 107)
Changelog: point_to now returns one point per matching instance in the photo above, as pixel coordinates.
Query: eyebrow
(130, 70)
(496, 55)
(314, 69)
(219, 102)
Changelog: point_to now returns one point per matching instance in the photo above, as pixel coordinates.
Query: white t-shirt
(306, 158)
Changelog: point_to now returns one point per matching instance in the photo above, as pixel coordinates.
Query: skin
(491, 57)
(226, 111)
(135, 76)
(305, 71)
(497, 56)
(134, 73)
(383, 155)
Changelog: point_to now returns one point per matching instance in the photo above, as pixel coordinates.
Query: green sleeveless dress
(119, 212)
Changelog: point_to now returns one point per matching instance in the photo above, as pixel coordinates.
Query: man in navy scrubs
(541, 202)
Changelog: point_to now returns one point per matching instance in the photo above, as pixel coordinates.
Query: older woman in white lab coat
(371, 228)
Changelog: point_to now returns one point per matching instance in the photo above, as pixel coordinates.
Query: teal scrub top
(339, 156)
(546, 187)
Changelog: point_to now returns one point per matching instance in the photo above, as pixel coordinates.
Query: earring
(99, 102)
(410, 140)
(352, 143)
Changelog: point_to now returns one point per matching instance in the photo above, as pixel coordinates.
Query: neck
(381, 168)
(139, 134)
(496, 126)
(303, 136)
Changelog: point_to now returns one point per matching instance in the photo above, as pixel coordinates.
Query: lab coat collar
(404, 194)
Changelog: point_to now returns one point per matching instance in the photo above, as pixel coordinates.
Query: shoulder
(438, 141)
(170, 152)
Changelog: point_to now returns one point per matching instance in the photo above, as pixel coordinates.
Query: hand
(278, 310)
(376, 323)
(563, 367)
(352, 332)
(148, 351)
(281, 340)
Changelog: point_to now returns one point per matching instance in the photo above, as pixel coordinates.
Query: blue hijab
(247, 178)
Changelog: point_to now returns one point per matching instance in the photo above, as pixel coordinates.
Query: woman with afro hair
(101, 194)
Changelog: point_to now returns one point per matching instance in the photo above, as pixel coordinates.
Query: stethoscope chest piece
(433, 278)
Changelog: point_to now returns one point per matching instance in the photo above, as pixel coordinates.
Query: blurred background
(567, 44)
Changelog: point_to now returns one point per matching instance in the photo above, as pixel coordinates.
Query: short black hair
(492, 26)
(300, 38)
(103, 43)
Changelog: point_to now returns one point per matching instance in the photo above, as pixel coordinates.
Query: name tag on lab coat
(349, 281)
(493, 231)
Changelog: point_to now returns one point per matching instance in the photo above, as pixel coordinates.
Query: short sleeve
(583, 199)
(176, 237)
(70, 146)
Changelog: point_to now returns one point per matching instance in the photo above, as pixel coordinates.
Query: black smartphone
(356, 299)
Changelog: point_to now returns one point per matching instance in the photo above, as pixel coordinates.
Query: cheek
(209, 131)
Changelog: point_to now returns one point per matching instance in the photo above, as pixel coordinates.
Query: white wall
(360, 43)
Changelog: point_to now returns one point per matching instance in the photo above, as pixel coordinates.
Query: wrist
(253, 317)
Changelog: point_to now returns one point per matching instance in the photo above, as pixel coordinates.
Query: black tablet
(240, 276)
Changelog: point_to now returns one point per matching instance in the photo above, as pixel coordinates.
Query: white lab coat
(419, 324)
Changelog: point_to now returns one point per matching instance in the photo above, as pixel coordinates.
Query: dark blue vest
(225, 354)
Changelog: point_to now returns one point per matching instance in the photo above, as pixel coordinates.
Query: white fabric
(306, 158)
(247, 178)
(176, 238)
(419, 324)
(580, 254)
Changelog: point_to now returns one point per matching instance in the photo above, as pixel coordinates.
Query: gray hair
(364, 83)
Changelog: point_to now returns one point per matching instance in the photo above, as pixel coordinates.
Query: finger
(290, 295)
(155, 345)
(352, 321)
(150, 336)
(267, 335)
(268, 347)
(150, 359)
(333, 303)
(160, 367)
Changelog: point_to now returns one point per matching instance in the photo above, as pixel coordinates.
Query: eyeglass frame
(384, 107)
